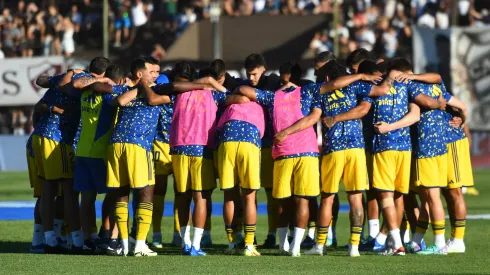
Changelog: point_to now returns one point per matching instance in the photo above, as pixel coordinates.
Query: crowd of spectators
(59, 27)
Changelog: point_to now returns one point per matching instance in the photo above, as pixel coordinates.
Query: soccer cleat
(176, 240)
(37, 249)
(472, 191)
(54, 249)
(308, 243)
(455, 247)
(368, 245)
(295, 254)
(240, 241)
(111, 247)
(315, 250)
(399, 252)
(157, 240)
(270, 242)
(144, 251)
(433, 250)
(206, 241)
(378, 247)
(186, 250)
(353, 250)
(414, 247)
(251, 251)
(77, 250)
(88, 248)
(197, 253)
(283, 252)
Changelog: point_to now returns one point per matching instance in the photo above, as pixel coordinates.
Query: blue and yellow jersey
(98, 120)
(70, 123)
(137, 124)
(200, 150)
(29, 146)
(452, 134)
(368, 129)
(49, 124)
(431, 140)
(346, 134)
(241, 131)
(310, 99)
(391, 108)
(165, 121)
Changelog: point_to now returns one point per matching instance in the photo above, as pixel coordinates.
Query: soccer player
(348, 163)
(98, 119)
(355, 58)
(296, 177)
(255, 67)
(54, 163)
(460, 174)
(129, 148)
(191, 136)
(240, 129)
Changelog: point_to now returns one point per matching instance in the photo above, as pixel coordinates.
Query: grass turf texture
(15, 239)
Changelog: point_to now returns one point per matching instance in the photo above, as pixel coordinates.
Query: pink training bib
(287, 110)
(250, 112)
(194, 119)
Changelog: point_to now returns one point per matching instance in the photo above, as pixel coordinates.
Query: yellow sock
(230, 233)
(176, 219)
(422, 226)
(272, 212)
(156, 219)
(459, 228)
(143, 214)
(321, 234)
(355, 235)
(250, 234)
(438, 227)
(122, 219)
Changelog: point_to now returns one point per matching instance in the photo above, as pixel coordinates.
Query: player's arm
(430, 78)
(152, 98)
(385, 86)
(125, 98)
(211, 81)
(344, 81)
(413, 116)
(429, 103)
(42, 108)
(84, 82)
(355, 113)
(236, 99)
(179, 87)
(299, 125)
(247, 91)
(467, 132)
(455, 102)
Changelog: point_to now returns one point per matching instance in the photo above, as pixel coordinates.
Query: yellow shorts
(266, 168)
(296, 176)
(54, 160)
(193, 173)
(346, 165)
(392, 171)
(129, 164)
(459, 170)
(369, 166)
(35, 181)
(162, 158)
(431, 172)
(240, 163)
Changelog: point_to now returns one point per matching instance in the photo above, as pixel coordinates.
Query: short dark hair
(357, 56)
(324, 57)
(368, 67)
(286, 68)
(292, 68)
(400, 64)
(383, 67)
(184, 69)
(208, 72)
(114, 72)
(253, 61)
(137, 65)
(219, 67)
(152, 60)
(99, 65)
(334, 70)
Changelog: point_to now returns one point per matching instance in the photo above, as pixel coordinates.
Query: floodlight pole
(215, 13)
(105, 26)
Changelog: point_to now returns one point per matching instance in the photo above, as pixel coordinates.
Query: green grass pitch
(15, 239)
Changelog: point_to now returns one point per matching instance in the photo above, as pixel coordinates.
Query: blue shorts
(124, 22)
(90, 175)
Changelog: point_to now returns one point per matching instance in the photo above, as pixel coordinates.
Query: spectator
(11, 37)
(2, 55)
(307, 6)
(390, 42)
(122, 25)
(52, 31)
(271, 7)
(139, 13)
(325, 6)
(186, 19)
(442, 17)
(68, 44)
(427, 20)
(76, 17)
(365, 38)
(246, 7)
(320, 43)
(18, 122)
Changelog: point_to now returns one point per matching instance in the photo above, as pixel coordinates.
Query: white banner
(18, 78)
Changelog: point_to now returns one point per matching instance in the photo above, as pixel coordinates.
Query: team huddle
(389, 135)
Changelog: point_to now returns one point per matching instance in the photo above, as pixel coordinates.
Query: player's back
(136, 123)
